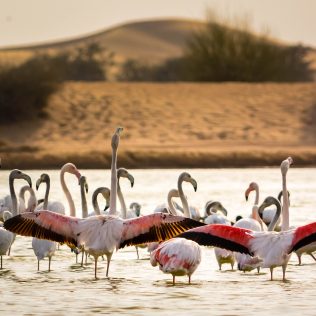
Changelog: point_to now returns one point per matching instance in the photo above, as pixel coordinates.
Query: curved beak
(131, 179)
(38, 183)
(78, 175)
(27, 179)
(86, 187)
(247, 192)
(194, 183)
(224, 211)
(106, 207)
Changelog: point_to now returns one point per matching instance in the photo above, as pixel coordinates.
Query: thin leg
(232, 265)
(38, 265)
(189, 279)
(95, 266)
(109, 256)
(9, 251)
(258, 269)
(312, 256)
(1, 262)
(220, 266)
(76, 258)
(299, 259)
(137, 252)
(283, 270)
(86, 261)
(173, 279)
(49, 261)
(271, 274)
(82, 257)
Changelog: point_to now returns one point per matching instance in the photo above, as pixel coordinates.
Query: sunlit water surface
(134, 286)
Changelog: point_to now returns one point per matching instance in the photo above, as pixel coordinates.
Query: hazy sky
(33, 21)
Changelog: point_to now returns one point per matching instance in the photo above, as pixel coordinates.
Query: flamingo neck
(45, 204)
(84, 202)
(121, 199)
(113, 183)
(257, 195)
(276, 217)
(95, 203)
(285, 207)
(72, 209)
(184, 201)
(22, 206)
(13, 197)
(170, 203)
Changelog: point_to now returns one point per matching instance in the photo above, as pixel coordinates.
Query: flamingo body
(177, 256)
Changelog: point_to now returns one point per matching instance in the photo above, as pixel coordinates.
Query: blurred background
(213, 83)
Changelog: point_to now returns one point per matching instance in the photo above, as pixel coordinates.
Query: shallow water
(134, 286)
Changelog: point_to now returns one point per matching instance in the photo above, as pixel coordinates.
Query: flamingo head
(252, 186)
(18, 174)
(43, 178)
(122, 172)
(71, 168)
(83, 183)
(285, 165)
(185, 176)
(116, 138)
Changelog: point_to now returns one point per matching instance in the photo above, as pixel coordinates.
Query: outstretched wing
(223, 236)
(303, 236)
(155, 227)
(44, 225)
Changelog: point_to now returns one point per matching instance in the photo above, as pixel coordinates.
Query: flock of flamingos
(173, 234)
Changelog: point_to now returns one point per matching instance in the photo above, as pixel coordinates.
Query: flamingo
(53, 206)
(269, 214)
(42, 248)
(123, 173)
(222, 255)
(6, 237)
(106, 194)
(104, 233)
(32, 198)
(178, 256)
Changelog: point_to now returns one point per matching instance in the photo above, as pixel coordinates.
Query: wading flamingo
(178, 256)
(6, 238)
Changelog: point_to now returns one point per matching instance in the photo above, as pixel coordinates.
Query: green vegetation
(222, 53)
(25, 89)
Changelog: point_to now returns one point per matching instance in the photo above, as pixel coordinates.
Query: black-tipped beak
(246, 197)
(38, 182)
(131, 179)
(106, 207)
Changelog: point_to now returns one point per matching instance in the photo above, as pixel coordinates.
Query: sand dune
(169, 125)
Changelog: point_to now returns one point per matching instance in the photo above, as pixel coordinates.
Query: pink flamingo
(178, 256)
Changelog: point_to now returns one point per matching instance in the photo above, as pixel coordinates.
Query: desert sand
(168, 125)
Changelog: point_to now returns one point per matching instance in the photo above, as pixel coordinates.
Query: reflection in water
(134, 286)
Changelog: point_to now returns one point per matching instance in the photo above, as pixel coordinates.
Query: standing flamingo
(100, 234)
(178, 256)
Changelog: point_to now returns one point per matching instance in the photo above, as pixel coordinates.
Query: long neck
(285, 207)
(95, 203)
(183, 200)
(13, 197)
(257, 195)
(22, 206)
(45, 204)
(170, 203)
(84, 202)
(121, 199)
(113, 183)
(276, 217)
(255, 215)
(72, 209)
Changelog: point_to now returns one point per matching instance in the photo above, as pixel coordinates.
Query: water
(134, 286)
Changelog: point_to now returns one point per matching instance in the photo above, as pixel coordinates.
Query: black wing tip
(28, 227)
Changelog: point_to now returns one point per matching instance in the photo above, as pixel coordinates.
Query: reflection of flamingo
(100, 234)
(178, 256)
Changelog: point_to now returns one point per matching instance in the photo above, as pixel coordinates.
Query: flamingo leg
(1, 262)
(173, 280)
(189, 279)
(49, 261)
(283, 270)
(95, 267)
(38, 264)
(137, 252)
(232, 265)
(312, 256)
(76, 258)
(86, 261)
(299, 259)
(9, 251)
(258, 269)
(271, 273)
(220, 266)
(108, 256)
(82, 258)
